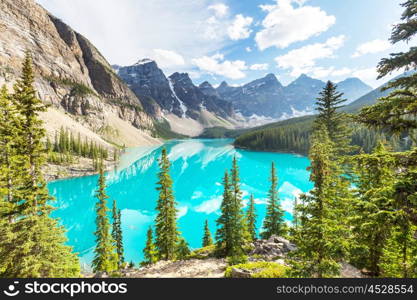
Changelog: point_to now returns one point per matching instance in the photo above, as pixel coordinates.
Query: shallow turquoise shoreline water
(197, 170)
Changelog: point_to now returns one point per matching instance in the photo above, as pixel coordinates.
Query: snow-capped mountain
(177, 96)
(263, 100)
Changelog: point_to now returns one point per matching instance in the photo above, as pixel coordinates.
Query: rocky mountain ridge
(180, 102)
(71, 76)
(258, 102)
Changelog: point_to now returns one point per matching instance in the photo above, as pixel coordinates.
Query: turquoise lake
(197, 168)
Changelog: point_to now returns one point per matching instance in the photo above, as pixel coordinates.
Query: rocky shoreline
(82, 167)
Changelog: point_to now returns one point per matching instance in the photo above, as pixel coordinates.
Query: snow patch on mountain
(182, 105)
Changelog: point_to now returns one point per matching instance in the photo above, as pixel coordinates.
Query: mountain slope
(261, 97)
(353, 88)
(71, 75)
(186, 107)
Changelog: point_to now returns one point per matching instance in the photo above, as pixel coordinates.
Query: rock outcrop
(273, 248)
(71, 74)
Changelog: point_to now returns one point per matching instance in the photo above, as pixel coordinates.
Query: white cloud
(209, 206)
(329, 73)
(182, 211)
(138, 27)
(239, 29)
(167, 58)
(303, 60)
(286, 24)
(217, 65)
(220, 9)
(259, 67)
(372, 47)
(248, 49)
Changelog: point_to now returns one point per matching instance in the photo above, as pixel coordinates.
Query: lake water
(197, 168)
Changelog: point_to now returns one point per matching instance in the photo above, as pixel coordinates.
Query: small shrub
(202, 253)
(261, 269)
(237, 259)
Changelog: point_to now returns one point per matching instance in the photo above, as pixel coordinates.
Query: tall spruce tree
(117, 234)
(397, 114)
(251, 218)
(396, 111)
(335, 122)
(320, 236)
(183, 250)
(105, 256)
(166, 223)
(274, 223)
(31, 242)
(207, 240)
(239, 233)
(374, 208)
(32, 135)
(232, 232)
(149, 252)
(224, 224)
(12, 161)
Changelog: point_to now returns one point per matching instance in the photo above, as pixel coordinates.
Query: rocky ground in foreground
(266, 259)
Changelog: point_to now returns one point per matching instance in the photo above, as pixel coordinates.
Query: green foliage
(105, 255)
(31, 243)
(204, 253)
(166, 225)
(251, 218)
(207, 239)
(66, 147)
(183, 251)
(274, 223)
(321, 233)
(163, 130)
(220, 133)
(232, 228)
(335, 122)
(77, 88)
(117, 233)
(261, 269)
(149, 252)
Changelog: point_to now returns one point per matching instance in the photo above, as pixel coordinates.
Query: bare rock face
(272, 248)
(70, 72)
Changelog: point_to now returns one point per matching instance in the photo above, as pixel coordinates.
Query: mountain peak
(206, 84)
(271, 76)
(223, 84)
(144, 61)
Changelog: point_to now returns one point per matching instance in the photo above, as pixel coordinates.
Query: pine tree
(105, 256)
(117, 234)
(183, 250)
(224, 230)
(232, 232)
(12, 162)
(207, 240)
(166, 225)
(150, 252)
(239, 233)
(31, 243)
(374, 207)
(328, 105)
(251, 218)
(320, 238)
(394, 112)
(33, 134)
(274, 223)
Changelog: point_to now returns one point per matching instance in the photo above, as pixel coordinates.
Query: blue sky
(239, 41)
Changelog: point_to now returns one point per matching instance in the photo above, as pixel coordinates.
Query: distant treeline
(66, 146)
(294, 137)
